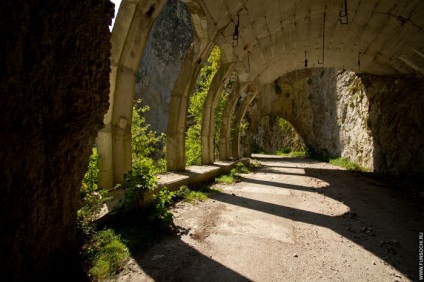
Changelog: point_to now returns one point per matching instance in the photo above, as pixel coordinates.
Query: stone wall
(375, 121)
(396, 119)
(167, 45)
(54, 74)
(324, 108)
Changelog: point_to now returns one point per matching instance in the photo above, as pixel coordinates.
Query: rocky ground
(291, 220)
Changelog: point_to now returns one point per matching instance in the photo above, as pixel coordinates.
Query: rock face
(168, 42)
(373, 120)
(326, 110)
(54, 73)
(396, 119)
(262, 141)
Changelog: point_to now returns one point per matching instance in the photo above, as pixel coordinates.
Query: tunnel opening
(273, 135)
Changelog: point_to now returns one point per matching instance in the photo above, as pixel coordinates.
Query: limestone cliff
(168, 42)
(375, 121)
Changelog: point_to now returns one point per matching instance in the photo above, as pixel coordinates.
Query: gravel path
(292, 220)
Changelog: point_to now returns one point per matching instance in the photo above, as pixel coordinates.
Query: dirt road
(292, 220)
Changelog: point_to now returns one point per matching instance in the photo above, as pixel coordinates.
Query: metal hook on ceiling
(343, 15)
(236, 32)
(306, 61)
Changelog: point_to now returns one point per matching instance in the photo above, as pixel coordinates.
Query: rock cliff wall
(396, 119)
(168, 42)
(325, 106)
(375, 121)
(54, 73)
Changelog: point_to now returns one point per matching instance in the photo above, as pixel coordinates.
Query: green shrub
(138, 182)
(110, 254)
(160, 205)
(347, 164)
(147, 148)
(226, 179)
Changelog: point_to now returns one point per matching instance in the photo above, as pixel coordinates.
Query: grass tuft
(348, 164)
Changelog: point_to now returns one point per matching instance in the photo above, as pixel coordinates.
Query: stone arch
(129, 37)
(225, 134)
(251, 92)
(203, 43)
(209, 107)
(323, 107)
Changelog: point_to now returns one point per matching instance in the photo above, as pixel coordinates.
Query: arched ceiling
(380, 36)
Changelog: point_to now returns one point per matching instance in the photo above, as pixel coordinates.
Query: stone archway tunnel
(65, 77)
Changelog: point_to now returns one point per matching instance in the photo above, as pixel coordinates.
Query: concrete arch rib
(252, 91)
(177, 119)
(209, 107)
(225, 134)
(129, 37)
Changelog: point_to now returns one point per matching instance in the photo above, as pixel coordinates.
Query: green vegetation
(234, 175)
(197, 99)
(111, 254)
(309, 80)
(148, 148)
(293, 154)
(348, 164)
(102, 251)
(195, 194)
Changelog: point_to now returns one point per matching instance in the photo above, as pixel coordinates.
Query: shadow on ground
(382, 220)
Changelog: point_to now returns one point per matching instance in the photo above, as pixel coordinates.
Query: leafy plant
(148, 148)
(138, 183)
(160, 204)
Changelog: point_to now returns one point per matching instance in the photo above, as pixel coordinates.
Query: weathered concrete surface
(54, 74)
(129, 37)
(168, 42)
(383, 37)
(293, 220)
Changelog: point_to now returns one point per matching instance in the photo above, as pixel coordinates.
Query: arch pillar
(129, 37)
(252, 91)
(225, 134)
(178, 107)
(209, 106)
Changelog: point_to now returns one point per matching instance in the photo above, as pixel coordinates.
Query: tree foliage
(197, 99)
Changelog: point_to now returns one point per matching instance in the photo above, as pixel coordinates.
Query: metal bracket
(323, 41)
(236, 32)
(343, 15)
(306, 61)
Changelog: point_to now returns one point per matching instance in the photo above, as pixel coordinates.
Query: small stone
(295, 255)
(373, 262)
